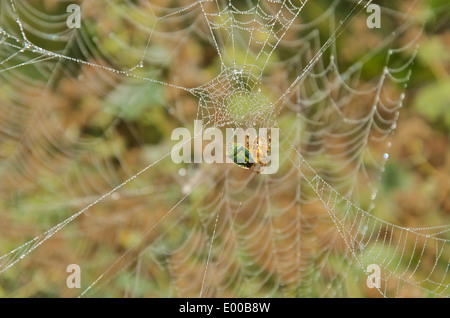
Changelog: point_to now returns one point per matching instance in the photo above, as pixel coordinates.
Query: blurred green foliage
(414, 190)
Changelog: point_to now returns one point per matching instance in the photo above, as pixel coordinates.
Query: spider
(254, 153)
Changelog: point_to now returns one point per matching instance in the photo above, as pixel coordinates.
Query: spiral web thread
(300, 232)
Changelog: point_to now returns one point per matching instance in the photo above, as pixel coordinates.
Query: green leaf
(434, 101)
(131, 100)
(434, 51)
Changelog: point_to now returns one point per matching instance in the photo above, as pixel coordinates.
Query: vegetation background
(39, 192)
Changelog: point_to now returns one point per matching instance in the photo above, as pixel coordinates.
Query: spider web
(140, 226)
